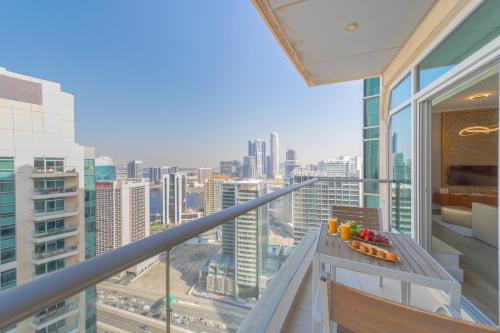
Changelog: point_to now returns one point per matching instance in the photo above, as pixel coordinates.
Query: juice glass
(332, 225)
(345, 232)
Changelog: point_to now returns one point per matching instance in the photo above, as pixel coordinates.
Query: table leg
(405, 293)
(333, 278)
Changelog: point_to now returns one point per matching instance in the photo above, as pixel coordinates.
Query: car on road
(141, 301)
(222, 326)
(131, 309)
(177, 321)
(144, 327)
(146, 307)
(191, 319)
(175, 314)
(210, 323)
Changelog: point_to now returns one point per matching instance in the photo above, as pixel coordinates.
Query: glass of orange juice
(332, 225)
(345, 232)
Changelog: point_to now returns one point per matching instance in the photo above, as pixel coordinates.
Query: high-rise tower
(274, 159)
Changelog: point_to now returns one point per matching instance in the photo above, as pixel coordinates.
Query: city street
(204, 317)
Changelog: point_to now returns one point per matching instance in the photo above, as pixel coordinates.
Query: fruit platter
(366, 235)
(373, 251)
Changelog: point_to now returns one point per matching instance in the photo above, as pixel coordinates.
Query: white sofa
(485, 223)
(457, 215)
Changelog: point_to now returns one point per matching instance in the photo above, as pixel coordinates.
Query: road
(230, 316)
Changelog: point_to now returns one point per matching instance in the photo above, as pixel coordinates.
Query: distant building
(121, 173)
(257, 148)
(134, 170)
(155, 175)
(122, 213)
(290, 162)
(217, 276)
(230, 168)
(249, 168)
(274, 156)
(203, 174)
(245, 239)
(105, 169)
(190, 215)
(212, 194)
(174, 188)
(312, 205)
(343, 166)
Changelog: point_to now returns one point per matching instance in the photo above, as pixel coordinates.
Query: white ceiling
(461, 100)
(316, 29)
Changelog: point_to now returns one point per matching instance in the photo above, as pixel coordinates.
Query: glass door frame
(476, 67)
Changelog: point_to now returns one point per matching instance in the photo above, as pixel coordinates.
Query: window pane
(372, 86)
(480, 28)
(371, 109)
(401, 92)
(401, 170)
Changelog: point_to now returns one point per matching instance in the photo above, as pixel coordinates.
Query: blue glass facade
(105, 173)
(90, 235)
(7, 221)
(371, 141)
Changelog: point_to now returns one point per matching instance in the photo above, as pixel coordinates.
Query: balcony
(67, 231)
(290, 294)
(54, 192)
(54, 214)
(66, 171)
(40, 258)
(56, 315)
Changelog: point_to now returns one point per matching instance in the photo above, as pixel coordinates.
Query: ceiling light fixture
(478, 96)
(351, 27)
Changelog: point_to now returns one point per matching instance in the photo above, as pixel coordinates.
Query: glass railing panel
(133, 300)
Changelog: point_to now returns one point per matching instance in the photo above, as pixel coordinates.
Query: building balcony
(66, 171)
(54, 316)
(40, 258)
(54, 192)
(68, 231)
(54, 214)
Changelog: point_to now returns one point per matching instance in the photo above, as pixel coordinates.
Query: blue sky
(185, 84)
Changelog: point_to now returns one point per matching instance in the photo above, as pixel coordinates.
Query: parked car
(131, 309)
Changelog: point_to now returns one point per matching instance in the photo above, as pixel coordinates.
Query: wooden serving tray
(371, 255)
(359, 239)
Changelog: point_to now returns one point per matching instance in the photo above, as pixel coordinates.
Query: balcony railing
(23, 301)
(50, 254)
(69, 307)
(55, 232)
(54, 170)
(48, 213)
(53, 190)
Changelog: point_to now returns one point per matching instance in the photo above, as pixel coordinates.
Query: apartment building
(42, 193)
(122, 213)
(212, 194)
(230, 168)
(174, 192)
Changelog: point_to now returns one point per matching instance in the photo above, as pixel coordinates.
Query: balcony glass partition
(400, 136)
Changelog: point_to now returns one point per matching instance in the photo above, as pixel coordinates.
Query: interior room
(465, 188)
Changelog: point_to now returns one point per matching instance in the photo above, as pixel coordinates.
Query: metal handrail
(21, 302)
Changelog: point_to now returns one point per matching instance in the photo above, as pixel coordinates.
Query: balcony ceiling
(313, 34)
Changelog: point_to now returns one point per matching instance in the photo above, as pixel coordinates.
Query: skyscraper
(245, 239)
(105, 169)
(122, 213)
(174, 188)
(212, 194)
(290, 162)
(230, 168)
(274, 156)
(203, 174)
(249, 168)
(257, 148)
(155, 175)
(134, 170)
(43, 189)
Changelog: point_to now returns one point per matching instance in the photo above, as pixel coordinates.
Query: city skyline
(176, 92)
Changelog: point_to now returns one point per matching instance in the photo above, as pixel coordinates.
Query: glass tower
(7, 222)
(90, 222)
(371, 141)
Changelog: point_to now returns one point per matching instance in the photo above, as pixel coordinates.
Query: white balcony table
(415, 267)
